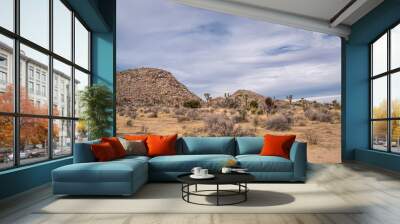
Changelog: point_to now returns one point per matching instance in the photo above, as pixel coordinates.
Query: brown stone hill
(151, 87)
(240, 98)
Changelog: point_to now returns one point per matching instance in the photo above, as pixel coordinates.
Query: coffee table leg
(217, 194)
(245, 193)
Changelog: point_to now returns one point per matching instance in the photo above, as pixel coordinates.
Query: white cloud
(217, 53)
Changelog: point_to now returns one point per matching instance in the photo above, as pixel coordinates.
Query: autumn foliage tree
(380, 127)
(33, 131)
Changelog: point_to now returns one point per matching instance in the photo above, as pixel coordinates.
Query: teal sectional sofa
(125, 176)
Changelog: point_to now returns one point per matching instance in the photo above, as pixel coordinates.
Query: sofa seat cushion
(206, 145)
(112, 171)
(249, 145)
(257, 163)
(185, 163)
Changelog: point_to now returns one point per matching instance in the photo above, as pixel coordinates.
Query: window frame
(388, 74)
(16, 114)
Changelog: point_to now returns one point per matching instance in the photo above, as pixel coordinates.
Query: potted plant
(96, 102)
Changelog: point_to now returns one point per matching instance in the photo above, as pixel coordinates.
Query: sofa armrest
(298, 155)
(83, 152)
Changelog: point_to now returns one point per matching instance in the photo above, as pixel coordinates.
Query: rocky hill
(151, 87)
(240, 98)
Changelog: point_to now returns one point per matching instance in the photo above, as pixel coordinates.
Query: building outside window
(385, 91)
(3, 71)
(30, 72)
(30, 87)
(43, 90)
(34, 75)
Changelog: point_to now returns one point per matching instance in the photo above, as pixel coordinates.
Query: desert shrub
(241, 117)
(311, 137)
(147, 110)
(301, 123)
(255, 121)
(321, 115)
(152, 114)
(129, 123)
(192, 104)
(239, 131)
(132, 114)
(278, 122)
(182, 118)
(180, 112)
(165, 110)
(193, 114)
(218, 125)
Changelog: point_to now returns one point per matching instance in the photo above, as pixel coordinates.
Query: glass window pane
(395, 47)
(6, 142)
(379, 97)
(62, 28)
(7, 14)
(62, 89)
(35, 21)
(81, 45)
(62, 138)
(395, 94)
(6, 74)
(34, 72)
(379, 55)
(379, 135)
(81, 131)
(395, 138)
(33, 140)
(81, 82)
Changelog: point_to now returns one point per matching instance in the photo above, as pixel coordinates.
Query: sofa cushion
(116, 145)
(206, 145)
(257, 163)
(134, 147)
(277, 145)
(112, 171)
(185, 163)
(249, 145)
(159, 145)
(103, 152)
(83, 152)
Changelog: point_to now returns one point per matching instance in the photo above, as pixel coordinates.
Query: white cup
(203, 172)
(196, 171)
(226, 170)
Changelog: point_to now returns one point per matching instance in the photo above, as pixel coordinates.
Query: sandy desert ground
(323, 138)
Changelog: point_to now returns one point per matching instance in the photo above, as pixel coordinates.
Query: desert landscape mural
(153, 101)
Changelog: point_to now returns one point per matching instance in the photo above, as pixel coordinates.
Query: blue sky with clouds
(217, 53)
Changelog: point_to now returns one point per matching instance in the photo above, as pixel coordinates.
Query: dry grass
(327, 134)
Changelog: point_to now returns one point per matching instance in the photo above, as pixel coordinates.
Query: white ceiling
(313, 15)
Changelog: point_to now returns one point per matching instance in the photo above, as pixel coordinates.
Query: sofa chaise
(125, 176)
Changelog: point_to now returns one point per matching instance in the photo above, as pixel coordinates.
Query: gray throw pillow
(134, 147)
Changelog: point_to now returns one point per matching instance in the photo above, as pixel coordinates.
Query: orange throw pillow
(103, 152)
(161, 145)
(136, 137)
(116, 145)
(277, 145)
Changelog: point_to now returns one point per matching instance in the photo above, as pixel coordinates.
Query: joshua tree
(269, 102)
(207, 96)
(290, 98)
(254, 104)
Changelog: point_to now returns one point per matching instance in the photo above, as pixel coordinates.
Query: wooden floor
(379, 189)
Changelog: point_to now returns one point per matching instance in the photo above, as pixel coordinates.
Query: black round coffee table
(238, 179)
